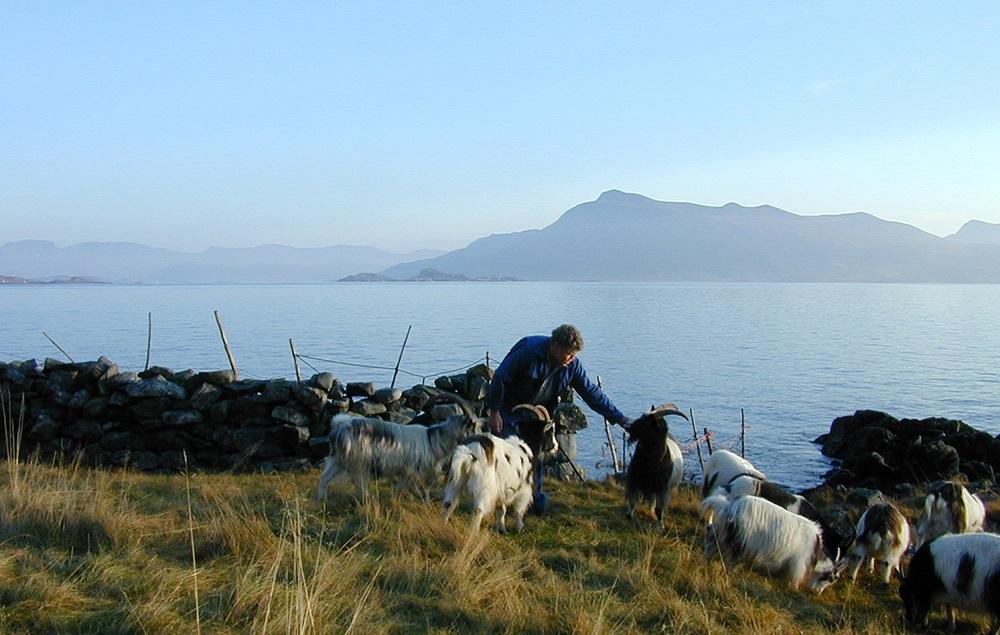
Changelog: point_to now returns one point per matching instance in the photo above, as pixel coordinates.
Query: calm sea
(792, 356)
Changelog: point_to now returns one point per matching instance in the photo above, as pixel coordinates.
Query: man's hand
(496, 422)
(626, 424)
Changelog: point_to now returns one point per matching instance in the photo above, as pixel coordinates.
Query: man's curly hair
(567, 336)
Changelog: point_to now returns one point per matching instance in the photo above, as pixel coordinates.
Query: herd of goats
(748, 519)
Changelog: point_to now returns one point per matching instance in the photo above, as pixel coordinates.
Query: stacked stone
(569, 419)
(153, 419)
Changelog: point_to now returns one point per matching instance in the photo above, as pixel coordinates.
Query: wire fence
(422, 376)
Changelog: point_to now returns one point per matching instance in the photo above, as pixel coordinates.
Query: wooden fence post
(295, 360)
(149, 339)
(59, 347)
(697, 445)
(611, 441)
(743, 434)
(225, 344)
(400, 359)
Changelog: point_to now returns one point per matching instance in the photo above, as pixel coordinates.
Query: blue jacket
(522, 371)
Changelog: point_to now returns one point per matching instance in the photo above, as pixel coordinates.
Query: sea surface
(792, 357)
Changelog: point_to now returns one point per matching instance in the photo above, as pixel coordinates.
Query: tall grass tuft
(194, 557)
(13, 432)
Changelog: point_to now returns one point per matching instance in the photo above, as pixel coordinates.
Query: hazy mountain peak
(616, 196)
(977, 231)
(979, 224)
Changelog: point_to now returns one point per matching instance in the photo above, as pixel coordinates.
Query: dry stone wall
(152, 419)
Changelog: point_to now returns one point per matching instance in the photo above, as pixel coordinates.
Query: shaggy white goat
(500, 471)
(882, 535)
(768, 537)
(833, 540)
(950, 509)
(365, 447)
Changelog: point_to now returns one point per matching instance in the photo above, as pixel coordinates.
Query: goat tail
(874, 542)
(462, 463)
(712, 506)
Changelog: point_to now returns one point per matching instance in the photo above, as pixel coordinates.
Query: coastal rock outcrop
(877, 450)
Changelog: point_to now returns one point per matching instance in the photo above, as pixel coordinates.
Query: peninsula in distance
(617, 237)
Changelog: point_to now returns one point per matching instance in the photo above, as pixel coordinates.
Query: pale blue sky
(430, 124)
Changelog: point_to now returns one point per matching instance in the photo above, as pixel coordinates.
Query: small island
(426, 275)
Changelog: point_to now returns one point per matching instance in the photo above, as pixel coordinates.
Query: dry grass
(86, 551)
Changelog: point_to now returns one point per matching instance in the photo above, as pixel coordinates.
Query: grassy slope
(111, 552)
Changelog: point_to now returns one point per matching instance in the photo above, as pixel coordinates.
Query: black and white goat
(950, 509)
(958, 570)
(882, 535)
(500, 471)
(657, 466)
(745, 485)
(364, 447)
(723, 467)
(768, 537)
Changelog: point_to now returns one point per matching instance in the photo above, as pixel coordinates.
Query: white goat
(365, 447)
(958, 570)
(657, 465)
(882, 535)
(500, 471)
(768, 537)
(723, 467)
(950, 509)
(833, 540)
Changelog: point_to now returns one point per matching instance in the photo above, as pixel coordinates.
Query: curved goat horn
(450, 397)
(540, 412)
(666, 409)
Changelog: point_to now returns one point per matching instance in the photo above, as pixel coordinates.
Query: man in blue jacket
(537, 370)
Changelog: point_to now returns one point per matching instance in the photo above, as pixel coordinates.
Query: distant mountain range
(619, 236)
(40, 260)
(624, 236)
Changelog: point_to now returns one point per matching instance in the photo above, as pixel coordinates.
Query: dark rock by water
(879, 451)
